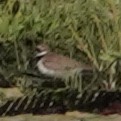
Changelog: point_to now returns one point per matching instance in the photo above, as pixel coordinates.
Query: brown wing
(59, 62)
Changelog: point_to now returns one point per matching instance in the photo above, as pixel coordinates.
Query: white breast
(43, 69)
(55, 73)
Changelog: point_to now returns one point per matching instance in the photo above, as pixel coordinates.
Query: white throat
(41, 54)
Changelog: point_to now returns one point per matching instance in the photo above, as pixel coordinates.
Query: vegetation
(88, 30)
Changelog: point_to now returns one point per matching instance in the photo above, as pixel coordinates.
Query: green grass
(88, 30)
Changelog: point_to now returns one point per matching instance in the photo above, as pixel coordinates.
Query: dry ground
(56, 117)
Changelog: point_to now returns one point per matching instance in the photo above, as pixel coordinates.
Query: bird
(62, 67)
(56, 65)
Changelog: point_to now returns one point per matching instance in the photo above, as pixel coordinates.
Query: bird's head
(42, 50)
